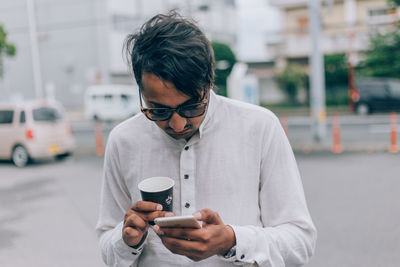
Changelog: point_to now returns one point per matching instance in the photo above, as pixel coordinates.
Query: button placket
(187, 170)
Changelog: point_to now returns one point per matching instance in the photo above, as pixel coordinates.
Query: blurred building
(80, 41)
(346, 26)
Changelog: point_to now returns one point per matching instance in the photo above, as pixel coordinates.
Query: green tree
(383, 57)
(396, 2)
(336, 79)
(336, 69)
(290, 80)
(6, 48)
(224, 61)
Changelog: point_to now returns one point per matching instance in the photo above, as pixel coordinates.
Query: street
(354, 202)
(48, 213)
(49, 210)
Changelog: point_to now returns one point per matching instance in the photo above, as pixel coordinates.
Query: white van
(111, 102)
(34, 129)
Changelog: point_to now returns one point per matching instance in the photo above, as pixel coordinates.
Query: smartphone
(178, 221)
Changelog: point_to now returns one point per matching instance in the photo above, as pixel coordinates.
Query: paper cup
(158, 190)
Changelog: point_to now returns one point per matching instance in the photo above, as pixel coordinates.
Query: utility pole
(36, 68)
(317, 80)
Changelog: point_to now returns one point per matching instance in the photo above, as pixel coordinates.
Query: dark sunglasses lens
(159, 114)
(192, 110)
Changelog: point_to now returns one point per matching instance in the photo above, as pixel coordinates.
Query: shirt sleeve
(289, 235)
(115, 200)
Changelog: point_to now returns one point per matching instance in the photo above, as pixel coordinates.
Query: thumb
(208, 216)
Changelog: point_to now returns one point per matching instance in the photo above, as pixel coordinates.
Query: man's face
(160, 94)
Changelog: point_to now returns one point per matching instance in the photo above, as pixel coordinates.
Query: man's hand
(198, 244)
(136, 222)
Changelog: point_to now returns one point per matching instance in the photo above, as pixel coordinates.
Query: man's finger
(183, 247)
(208, 216)
(183, 233)
(146, 206)
(135, 221)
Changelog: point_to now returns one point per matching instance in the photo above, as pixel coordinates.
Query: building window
(382, 16)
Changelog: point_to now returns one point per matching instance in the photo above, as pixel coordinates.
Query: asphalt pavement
(49, 210)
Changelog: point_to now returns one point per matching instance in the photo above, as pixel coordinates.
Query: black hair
(175, 50)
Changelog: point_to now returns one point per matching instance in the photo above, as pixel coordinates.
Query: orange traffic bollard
(99, 139)
(393, 134)
(284, 124)
(337, 146)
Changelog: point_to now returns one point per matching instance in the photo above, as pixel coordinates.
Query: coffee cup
(159, 190)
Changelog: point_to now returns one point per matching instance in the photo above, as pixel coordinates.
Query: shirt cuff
(122, 249)
(244, 246)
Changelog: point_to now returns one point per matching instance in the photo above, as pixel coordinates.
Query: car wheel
(20, 156)
(363, 109)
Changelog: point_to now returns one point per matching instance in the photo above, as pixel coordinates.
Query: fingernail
(197, 215)
(168, 214)
(159, 207)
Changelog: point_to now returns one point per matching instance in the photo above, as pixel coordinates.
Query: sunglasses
(185, 111)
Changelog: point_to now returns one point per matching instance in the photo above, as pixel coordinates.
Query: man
(233, 167)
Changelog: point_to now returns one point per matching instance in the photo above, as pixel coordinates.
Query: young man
(231, 162)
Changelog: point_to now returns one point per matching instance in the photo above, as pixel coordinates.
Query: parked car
(111, 102)
(376, 94)
(34, 129)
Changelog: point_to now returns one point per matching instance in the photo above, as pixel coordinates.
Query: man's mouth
(181, 133)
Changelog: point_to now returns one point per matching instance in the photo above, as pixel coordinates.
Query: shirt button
(186, 176)
(242, 257)
(186, 148)
(187, 205)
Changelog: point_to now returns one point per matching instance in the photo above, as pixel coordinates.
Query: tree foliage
(336, 79)
(290, 80)
(224, 61)
(6, 48)
(396, 2)
(383, 57)
(336, 69)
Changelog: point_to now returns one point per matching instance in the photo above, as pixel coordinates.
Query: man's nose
(177, 123)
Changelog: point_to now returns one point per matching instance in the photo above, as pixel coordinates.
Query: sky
(257, 19)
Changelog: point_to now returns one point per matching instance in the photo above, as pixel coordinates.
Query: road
(354, 202)
(48, 210)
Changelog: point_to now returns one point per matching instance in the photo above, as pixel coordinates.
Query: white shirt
(239, 164)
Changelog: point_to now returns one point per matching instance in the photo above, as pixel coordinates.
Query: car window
(395, 89)
(6, 116)
(22, 117)
(46, 114)
(373, 89)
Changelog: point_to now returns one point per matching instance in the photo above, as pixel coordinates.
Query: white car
(111, 102)
(34, 129)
